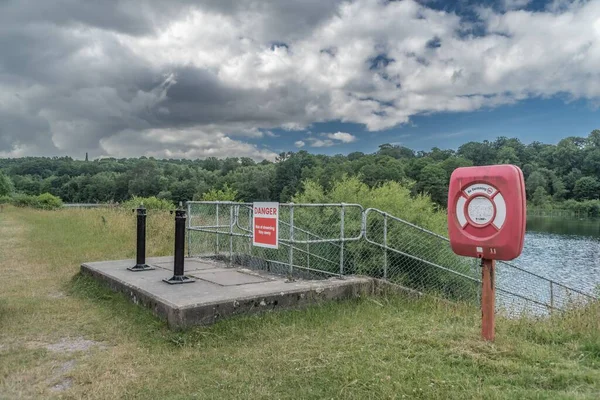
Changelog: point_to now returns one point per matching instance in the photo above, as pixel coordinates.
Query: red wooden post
(488, 299)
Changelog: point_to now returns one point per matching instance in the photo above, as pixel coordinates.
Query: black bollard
(178, 268)
(141, 241)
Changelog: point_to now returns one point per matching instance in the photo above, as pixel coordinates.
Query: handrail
(320, 239)
(549, 280)
(501, 262)
(338, 241)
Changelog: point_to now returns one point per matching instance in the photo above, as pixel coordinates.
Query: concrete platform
(219, 291)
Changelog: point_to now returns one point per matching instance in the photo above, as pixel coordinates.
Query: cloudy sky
(184, 78)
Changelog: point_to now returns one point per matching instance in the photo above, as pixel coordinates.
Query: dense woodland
(554, 173)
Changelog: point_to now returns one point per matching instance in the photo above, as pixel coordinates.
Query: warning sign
(265, 224)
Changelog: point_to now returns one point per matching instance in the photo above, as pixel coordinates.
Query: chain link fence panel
(323, 240)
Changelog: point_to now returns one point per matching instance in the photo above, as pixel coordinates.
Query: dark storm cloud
(135, 17)
(199, 97)
(288, 19)
(68, 82)
(23, 128)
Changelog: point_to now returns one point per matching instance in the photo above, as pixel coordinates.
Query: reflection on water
(564, 226)
(565, 250)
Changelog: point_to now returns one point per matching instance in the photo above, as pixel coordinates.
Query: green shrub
(151, 203)
(48, 201)
(391, 197)
(574, 208)
(5, 199)
(45, 201)
(410, 265)
(6, 186)
(24, 200)
(225, 194)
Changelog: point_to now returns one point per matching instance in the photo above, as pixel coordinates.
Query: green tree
(27, 184)
(355, 155)
(182, 190)
(145, 179)
(569, 154)
(288, 171)
(479, 153)
(507, 155)
(434, 181)
(593, 139)
(591, 162)
(451, 163)
(100, 187)
(253, 183)
(247, 162)
(416, 165)
(395, 151)
(438, 154)
(383, 169)
(230, 164)
(6, 187)
(225, 194)
(540, 197)
(212, 164)
(559, 192)
(536, 180)
(571, 178)
(556, 168)
(586, 188)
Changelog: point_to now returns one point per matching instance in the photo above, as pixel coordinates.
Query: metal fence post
(342, 217)
(308, 253)
(250, 227)
(217, 228)
(230, 234)
(291, 250)
(189, 225)
(385, 259)
(551, 295)
(178, 265)
(140, 264)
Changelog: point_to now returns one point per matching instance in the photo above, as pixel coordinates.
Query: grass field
(63, 336)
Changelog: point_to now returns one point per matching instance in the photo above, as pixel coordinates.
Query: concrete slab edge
(209, 313)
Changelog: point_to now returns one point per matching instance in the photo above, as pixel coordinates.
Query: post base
(140, 267)
(176, 280)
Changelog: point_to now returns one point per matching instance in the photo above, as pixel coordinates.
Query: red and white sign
(265, 223)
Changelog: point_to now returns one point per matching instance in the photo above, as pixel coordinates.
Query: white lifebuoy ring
(481, 205)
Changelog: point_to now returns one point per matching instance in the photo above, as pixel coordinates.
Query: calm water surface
(565, 250)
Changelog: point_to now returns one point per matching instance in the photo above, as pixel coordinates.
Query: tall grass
(379, 347)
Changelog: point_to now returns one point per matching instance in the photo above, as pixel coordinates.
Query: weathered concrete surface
(219, 291)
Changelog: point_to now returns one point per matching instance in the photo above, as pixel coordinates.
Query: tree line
(569, 170)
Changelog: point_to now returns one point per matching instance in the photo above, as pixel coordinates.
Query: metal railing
(324, 240)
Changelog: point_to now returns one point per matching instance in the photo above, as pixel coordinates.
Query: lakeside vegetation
(66, 336)
(561, 176)
(568, 208)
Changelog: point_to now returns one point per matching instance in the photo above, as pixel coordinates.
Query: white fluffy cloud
(330, 139)
(314, 142)
(204, 78)
(172, 143)
(342, 137)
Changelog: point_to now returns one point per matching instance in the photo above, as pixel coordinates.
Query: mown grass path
(64, 336)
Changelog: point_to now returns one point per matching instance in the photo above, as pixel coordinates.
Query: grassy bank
(62, 335)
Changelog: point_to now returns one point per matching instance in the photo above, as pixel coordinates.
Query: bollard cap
(141, 210)
(180, 214)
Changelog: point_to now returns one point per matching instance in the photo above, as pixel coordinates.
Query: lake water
(566, 250)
